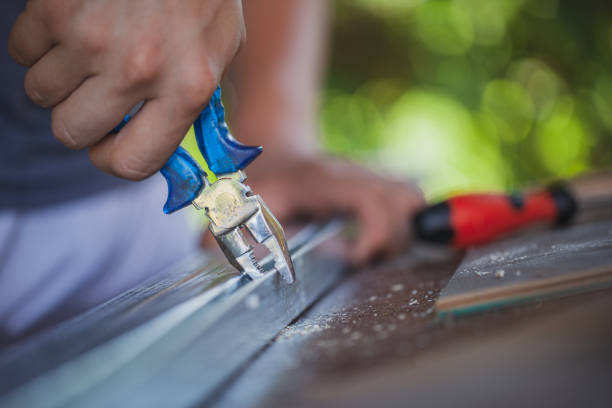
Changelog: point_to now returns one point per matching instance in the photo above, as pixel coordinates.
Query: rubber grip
(476, 219)
(184, 178)
(481, 218)
(222, 152)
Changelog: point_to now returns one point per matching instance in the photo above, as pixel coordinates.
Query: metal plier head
(231, 207)
(228, 203)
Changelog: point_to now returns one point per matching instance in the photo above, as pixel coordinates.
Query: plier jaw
(230, 206)
(228, 203)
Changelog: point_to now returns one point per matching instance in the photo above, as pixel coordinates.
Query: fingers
(377, 230)
(408, 199)
(91, 112)
(383, 208)
(30, 38)
(146, 143)
(92, 62)
(55, 76)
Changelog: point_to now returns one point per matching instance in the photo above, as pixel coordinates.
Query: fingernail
(35, 96)
(68, 137)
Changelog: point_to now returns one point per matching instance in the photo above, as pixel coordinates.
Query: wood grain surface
(375, 340)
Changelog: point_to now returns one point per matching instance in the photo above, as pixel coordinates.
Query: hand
(322, 187)
(92, 61)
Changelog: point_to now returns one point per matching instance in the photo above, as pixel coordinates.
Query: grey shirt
(35, 169)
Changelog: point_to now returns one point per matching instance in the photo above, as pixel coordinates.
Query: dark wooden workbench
(375, 340)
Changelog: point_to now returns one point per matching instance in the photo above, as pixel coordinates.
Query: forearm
(278, 74)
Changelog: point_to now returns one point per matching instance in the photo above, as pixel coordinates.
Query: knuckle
(130, 166)
(144, 64)
(95, 36)
(196, 88)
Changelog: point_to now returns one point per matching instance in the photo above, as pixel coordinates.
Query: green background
(470, 94)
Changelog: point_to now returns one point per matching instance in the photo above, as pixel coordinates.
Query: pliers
(228, 203)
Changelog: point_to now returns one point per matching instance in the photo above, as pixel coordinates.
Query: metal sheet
(171, 342)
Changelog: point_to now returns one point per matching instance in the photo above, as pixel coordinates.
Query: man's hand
(92, 61)
(322, 187)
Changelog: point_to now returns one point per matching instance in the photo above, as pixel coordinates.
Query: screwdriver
(475, 219)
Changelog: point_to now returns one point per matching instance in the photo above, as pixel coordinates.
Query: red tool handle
(476, 219)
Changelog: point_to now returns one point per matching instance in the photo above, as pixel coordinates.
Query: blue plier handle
(229, 204)
(223, 154)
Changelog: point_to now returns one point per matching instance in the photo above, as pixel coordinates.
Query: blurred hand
(319, 188)
(92, 61)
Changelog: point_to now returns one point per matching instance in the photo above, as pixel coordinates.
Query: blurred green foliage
(471, 94)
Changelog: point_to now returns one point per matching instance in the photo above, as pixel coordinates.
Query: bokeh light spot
(540, 82)
(562, 144)
(444, 27)
(510, 107)
(351, 124)
(431, 136)
(488, 19)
